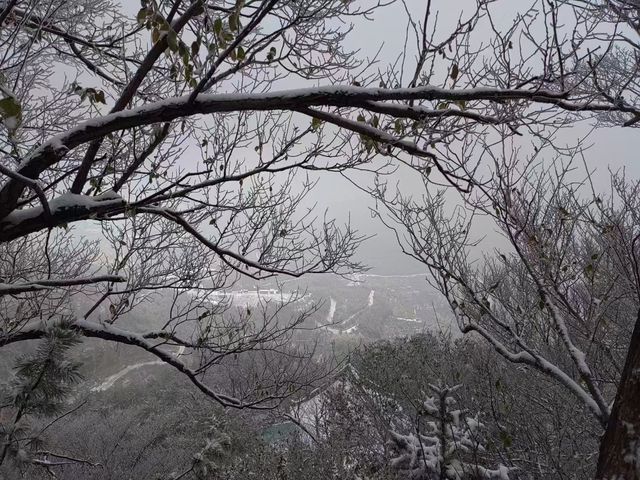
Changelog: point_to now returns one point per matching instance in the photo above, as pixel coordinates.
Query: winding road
(110, 381)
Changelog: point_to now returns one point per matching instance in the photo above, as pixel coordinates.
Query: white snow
(332, 310)
(110, 381)
(64, 202)
(370, 299)
(284, 99)
(244, 298)
(415, 320)
(331, 327)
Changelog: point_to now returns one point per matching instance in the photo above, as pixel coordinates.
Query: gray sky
(610, 147)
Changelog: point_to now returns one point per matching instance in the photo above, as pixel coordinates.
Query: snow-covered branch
(118, 335)
(64, 209)
(51, 151)
(45, 284)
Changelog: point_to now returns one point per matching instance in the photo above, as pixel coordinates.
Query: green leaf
(240, 54)
(11, 113)
(172, 41)
(188, 72)
(10, 107)
(507, 441)
(195, 48)
(217, 26)
(316, 123)
(141, 17)
(163, 25)
(184, 52)
(155, 35)
(99, 97)
(234, 22)
(455, 70)
(272, 54)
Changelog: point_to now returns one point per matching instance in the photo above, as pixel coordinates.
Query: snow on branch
(169, 109)
(14, 288)
(114, 334)
(65, 208)
(446, 447)
(541, 364)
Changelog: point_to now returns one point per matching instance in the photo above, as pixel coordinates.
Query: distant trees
(562, 296)
(380, 421)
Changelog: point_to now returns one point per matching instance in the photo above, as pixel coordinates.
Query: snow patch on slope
(110, 381)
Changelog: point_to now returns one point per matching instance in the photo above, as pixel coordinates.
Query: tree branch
(53, 150)
(114, 334)
(14, 288)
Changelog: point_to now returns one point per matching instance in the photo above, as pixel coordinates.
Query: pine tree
(43, 380)
(446, 447)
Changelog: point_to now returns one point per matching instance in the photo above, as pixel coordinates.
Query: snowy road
(332, 311)
(110, 381)
(331, 327)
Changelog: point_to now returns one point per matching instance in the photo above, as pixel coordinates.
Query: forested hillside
(291, 239)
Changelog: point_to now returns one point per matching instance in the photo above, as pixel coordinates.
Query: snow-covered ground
(244, 298)
(360, 278)
(350, 330)
(332, 310)
(110, 381)
(333, 328)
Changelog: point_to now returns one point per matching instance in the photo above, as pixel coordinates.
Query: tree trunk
(620, 446)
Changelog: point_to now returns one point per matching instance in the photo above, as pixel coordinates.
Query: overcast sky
(610, 148)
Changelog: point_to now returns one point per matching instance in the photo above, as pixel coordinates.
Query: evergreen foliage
(445, 445)
(43, 381)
